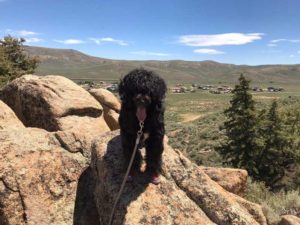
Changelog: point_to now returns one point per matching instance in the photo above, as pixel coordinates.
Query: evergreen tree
(280, 151)
(291, 119)
(241, 146)
(13, 60)
(5, 66)
(265, 143)
(274, 153)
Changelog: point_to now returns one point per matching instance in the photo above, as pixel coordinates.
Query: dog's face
(141, 102)
(142, 91)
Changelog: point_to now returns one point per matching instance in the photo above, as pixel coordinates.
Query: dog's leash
(137, 141)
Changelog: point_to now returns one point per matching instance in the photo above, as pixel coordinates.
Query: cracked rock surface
(38, 178)
(186, 195)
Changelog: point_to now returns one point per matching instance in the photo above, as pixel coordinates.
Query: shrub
(274, 204)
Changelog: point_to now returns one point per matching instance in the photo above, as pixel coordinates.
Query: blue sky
(231, 31)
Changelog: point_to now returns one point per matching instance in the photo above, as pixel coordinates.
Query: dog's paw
(155, 179)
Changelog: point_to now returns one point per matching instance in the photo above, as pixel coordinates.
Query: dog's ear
(159, 91)
(121, 89)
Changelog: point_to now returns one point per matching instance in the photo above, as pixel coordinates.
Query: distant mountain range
(77, 65)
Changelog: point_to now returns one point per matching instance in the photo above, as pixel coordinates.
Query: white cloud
(70, 41)
(298, 52)
(285, 40)
(108, 39)
(149, 53)
(26, 33)
(22, 33)
(219, 39)
(277, 40)
(208, 51)
(292, 56)
(33, 40)
(272, 45)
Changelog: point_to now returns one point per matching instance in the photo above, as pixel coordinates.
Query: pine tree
(260, 141)
(290, 114)
(13, 60)
(272, 159)
(241, 148)
(5, 66)
(278, 151)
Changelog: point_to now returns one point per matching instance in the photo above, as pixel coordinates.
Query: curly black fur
(151, 88)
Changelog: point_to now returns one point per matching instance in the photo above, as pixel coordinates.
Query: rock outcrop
(186, 195)
(111, 106)
(106, 98)
(232, 180)
(48, 175)
(53, 103)
(8, 118)
(289, 220)
(38, 178)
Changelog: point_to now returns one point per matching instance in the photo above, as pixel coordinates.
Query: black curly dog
(142, 93)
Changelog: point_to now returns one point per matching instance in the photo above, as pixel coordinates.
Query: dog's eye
(122, 97)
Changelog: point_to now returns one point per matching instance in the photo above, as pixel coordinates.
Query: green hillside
(76, 65)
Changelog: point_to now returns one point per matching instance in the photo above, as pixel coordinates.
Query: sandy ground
(189, 117)
(265, 97)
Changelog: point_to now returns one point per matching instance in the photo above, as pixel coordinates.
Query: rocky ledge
(61, 163)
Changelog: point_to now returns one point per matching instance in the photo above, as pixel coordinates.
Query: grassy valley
(193, 121)
(76, 65)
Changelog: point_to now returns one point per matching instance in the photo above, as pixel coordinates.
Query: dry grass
(275, 204)
(189, 117)
(263, 97)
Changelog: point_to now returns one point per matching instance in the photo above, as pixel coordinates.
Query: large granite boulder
(53, 103)
(8, 118)
(289, 220)
(232, 180)
(38, 177)
(186, 194)
(106, 98)
(111, 106)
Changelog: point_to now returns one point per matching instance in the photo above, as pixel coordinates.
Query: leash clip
(140, 131)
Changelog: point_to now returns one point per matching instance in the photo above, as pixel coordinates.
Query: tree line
(265, 142)
(14, 62)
